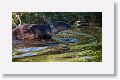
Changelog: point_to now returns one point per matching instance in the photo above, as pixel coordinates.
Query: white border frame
(104, 67)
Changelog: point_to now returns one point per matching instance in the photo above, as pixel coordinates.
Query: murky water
(66, 40)
(31, 49)
(24, 55)
(28, 51)
(66, 46)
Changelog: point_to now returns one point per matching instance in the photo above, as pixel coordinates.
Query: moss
(87, 49)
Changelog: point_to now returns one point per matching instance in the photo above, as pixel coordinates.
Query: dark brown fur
(41, 31)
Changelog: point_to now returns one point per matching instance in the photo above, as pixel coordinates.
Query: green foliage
(69, 17)
(88, 48)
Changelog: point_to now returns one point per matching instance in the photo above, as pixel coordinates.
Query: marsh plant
(80, 43)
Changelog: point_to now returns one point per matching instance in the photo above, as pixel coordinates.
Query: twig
(18, 17)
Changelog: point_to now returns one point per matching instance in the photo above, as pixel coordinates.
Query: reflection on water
(24, 55)
(87, 58)
(31, 49)
(66, 46)
(28, 51)
(66, 40)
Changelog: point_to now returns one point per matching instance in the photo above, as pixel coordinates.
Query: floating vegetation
(57, 37)
(66, 46)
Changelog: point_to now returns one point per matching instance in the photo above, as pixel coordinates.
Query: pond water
(28, 51)
(66, 40)
(31, 49)
(24, 55)
(66, 46)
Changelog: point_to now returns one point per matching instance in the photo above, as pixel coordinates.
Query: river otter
(41, 31)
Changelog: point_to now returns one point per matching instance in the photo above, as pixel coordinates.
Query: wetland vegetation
(81, 43)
